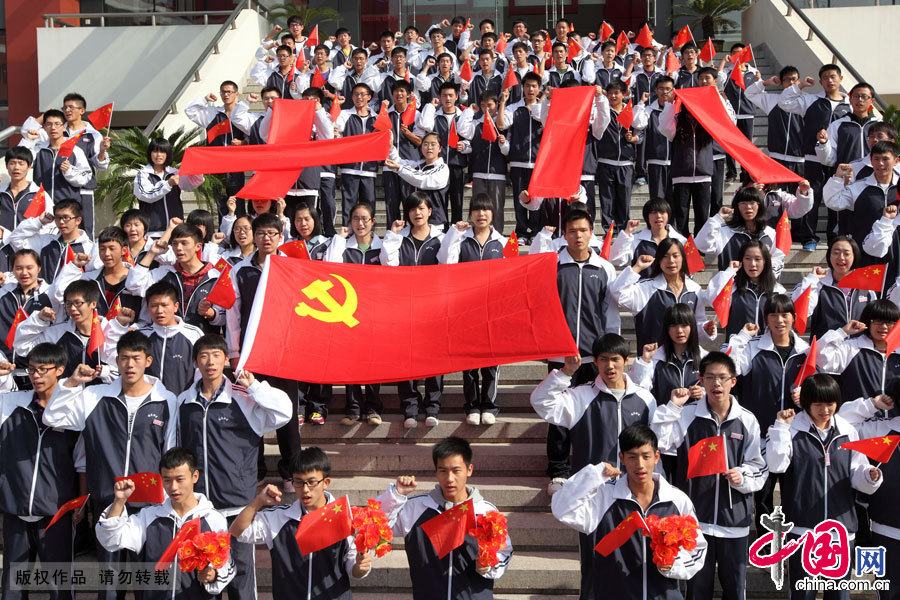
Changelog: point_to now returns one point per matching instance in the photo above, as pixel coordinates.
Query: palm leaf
(709, 14)
(279, 13)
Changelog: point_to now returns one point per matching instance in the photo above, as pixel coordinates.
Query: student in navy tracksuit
(456, 576)
(149, 532)
(431, 176)
(158, 186)
(595, 413)
(16, 195)
(223, 424)
(357, 179)
(629, 246)
(53, 248)
(785, 130)
(488, 159)
(323, 574)
(844, 140)
(41, 470)
(598, 499)
(821, 477)
(882, 245)
(754, 283)
(668, 283)
(463, 243)
(439, 119)
(657, 154)
(137, 227)
(407, 140)
(724, 503)
(410, 243)
(689, 73)
(487, 79)
(127, 425)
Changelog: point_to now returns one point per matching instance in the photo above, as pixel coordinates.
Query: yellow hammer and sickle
(335, 312)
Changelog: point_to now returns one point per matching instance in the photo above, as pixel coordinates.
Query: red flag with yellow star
(68, 146)
(187, 530)
(621, 42)
(626, 117)
(722, 303)
(644, 38)
(323, 527)
(148, 487)
(809, 364)
(783, 238)
(709, 51)
(620, 534)
(73, 504)
(707, 457)
(447, 531)
(318, 80)
(102, 117)
(607, 242)
(606, 31)
(408, 117)
(21, 315)
(221, 128)
(511, 248)
(114, 310)
(801, 307)
(866, 278)
(465, 72)
(684, 36)
(222, 294)
(878, 449)
(38, 204)
(128, 258)
(97, 338)
(295, 249)
(695, 262)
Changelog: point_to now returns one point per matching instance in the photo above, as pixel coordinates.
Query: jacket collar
(203, 508)
(703, 410)
(765, 342)
(660, 283)
(630, 386)
(437, 497)
(375, 245)
(495, 235)
(594, 260)
(156, 391)
(802, 423)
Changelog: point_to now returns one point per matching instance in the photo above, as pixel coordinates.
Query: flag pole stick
(725, 449)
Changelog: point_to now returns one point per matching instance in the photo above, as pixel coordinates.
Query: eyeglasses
(311, 484)
(242, 229)
(53, 125)
(715, 378)
(267, 234)
(72, 107)
(74, 303)
(431, 145)
(861, 97)
(39, 370)
(228, 92)
(63, 218)
(360, 219)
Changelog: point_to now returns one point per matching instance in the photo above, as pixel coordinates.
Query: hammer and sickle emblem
(335, 312)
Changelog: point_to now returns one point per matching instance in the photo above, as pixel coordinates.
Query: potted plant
(710, 15)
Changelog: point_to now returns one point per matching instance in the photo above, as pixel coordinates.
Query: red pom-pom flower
(207, 548)
(669, 534)
(491, 532)
(370, 525)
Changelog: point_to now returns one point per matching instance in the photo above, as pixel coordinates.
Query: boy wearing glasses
(324, 574)
(357, 179)
(724, 503)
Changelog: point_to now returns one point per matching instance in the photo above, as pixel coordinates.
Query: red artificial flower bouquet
(669, 534)
(370, 525)
(491, 532)
(205, 548)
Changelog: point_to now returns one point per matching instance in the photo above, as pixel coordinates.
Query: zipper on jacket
(37, 462)
(131, 428)
(578, 309)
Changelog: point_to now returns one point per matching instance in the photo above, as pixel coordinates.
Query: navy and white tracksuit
(864, 370)
(747, 306)
(829, 306)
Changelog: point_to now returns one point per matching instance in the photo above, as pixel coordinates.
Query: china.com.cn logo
(825, 553)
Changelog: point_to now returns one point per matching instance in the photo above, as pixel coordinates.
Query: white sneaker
(555, 485)
(488, 418)
(410, 423)
(473, 419)
(431, 421)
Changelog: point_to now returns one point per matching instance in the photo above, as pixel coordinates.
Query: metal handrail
(8, 132)
(51, 20)
(193, 73)
(836, 55)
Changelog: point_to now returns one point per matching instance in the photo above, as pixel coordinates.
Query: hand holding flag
(145, 487)
(447, 531)
(68, 147)
(102, 117)
(74, 504)
(325, 526)
(878, 449)
(707, 457)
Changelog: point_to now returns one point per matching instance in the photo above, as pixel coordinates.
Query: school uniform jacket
(657, 147)
(612, 147)
(149, 533)
(592, 413)
(321, 575)
(461, 246)
(779, 201)
(453, 576)
(118, 447)
(765, 381)
(140, 278)
(433, 179)
(629, 246)
(70, 273)
(38, 464)
(864, 371)
(225, 435)
(847, 140)
(12, 210)
(592, 504)
(820, 478)
(398, 249)
(555, 78)
(648, 299)
(50, 247)
(524, 132)
(11, 299)
(344, 79)
(690, 162)
(207, 116)
(159, 201)
(350, 123)
(746, 306)
(717, 238)
(663, 374)
(347, 250)
(488, 159)
(785, 129)
(724, 509)
(829, 308)
(33, 331)
(439, 122)
(740, 102)
(818, 113)
(595, 73)
(866, 199)
(481, 83)
(61, 186)
(245, 279)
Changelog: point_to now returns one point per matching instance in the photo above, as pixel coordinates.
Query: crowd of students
(159, 393)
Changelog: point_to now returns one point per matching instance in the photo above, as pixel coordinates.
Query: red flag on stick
(409, 113)
(38, 204)
(783, 239)
(644, 39)
(114, 310)
(511, 80)
(809, 364)
(313, 40)
(465, 72)
(709, 51)
(222, 293)
(68, 147)
(102, 117)
(325, 526)
(684, 36)
(892, 339)
(221, 128)
(737, 76)
(801, 308)
(488, 129)
(452, 136)
(707, 457)
(865, 278)
(607, 242)
(722, 303)
(620, 534)
(335, 111)
(73, 504)
(21, 315)
(548, 45)
(511, 249)
(295, 249)
(746, 54)
(188, 530)
(626, 117)
(148, 487)
(695, 262)
(447, 531)
(500, 48)
(672, 62)
(878, 449)
(70, 255)
(606, 31)
(621, 42)
(97, 338)
(382, 121)
(318, 81)
(574, 50)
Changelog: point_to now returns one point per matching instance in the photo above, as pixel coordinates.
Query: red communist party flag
(102, 117)
(621, 533)
(68, 147)
(722, 303)
(607, 242)
(222, 293)
(866, 278)
(488, 129)
(737, 76)
(148, 487)
(325, 526)
(783, 238)
(809, 363)
(878, 449)
(707, 457)
(695, 262)
(97, 338)
(621, 42)
(220, 128)
(21, 315)
(469, 308)
(709, 51)
(606, 31)
(511, 248)
(626, 117)
(38, 204)
(801, 307)
(557, 169)
(705, 104)
(644, 38)
(73, 504)
(684, 36)
(187, 531)
(447, 531)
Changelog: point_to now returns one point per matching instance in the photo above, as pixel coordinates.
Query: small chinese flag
(335, 111)
(97, 338)
(548, 45)
(317, 79)
(114, 310)
(73, 504)
(70, 255)
(684, 36)
(746, 54)
(501, 44)
(295, 249)
(783, 239)
(187, 531)
(867, 278)
(621, 533)
(128, 258)
(68, 146)
(468, 23)
(447, 531)
(892, 339)
(290, 76)
(621, 42)
(694, 260)
(709, 51)
(511, 249)
(606, 31)
(325, 526)
(102, 117)
(220, 128)
(536, 69)
(672, 62)
(148, 487)
(626, 117)
(722, 303)
(465, 72)
(222, 293)
(737, 76)
(607, 242)
(408, 117)
(644, 39)
(382, 121)
(488, 129)
(452, 136)
(38, 204)
(300, 62)
(406, 76)
(878, 449)
(21, 315)
(574, 50)
(313, 40)
(707, 457)
(801, 308)
(809, 364)
(510, 80)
